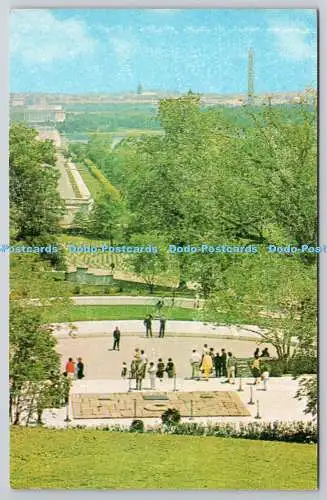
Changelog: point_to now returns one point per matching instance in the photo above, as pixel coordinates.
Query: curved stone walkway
(136, 328)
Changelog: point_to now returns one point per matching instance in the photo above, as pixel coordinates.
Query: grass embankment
(95, 459)
(96, 313)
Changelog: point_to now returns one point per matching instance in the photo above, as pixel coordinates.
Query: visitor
(256, 370)
(79, 369)
(133, 368)
(256, 353)
(148, 325)
(144, 357)
(195, 364)
(265, 377)
(162, 327)
(159, 305)
(265, 353)
(70, 368)
(137, 354)
(223, 361)
(206, 366)
(197, 301)
(217, 365)
(170, 368)
(124, 371)
(212, 353)
(152, 375)
(205, 350)
(116, 336)
(139, 372)
(160, 369)
(231, 364)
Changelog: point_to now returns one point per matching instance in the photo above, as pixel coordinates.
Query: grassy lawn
(89, 313)
(94, 186)
(95, 459)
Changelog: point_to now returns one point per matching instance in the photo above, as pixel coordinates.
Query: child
(160, 369)
(152, 375)
(124, 371)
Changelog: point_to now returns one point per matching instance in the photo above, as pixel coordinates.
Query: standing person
(256, 370)
(223, 360)
(205, 349)
(139, 373)
(137, 354)
(195, 364)
(197, 301)
(231, 363)
(162, 327)
(212, 353)
(206, 366)
(116, 336)
(170, 368)
(159, 305)
(144, 357)
(160, 369)
(80, 369)
(265, 353)
(148, 325)
(124, 371)
(70, 368)
(217, 364)
(265, 376)
(152, 375)
(256, 353)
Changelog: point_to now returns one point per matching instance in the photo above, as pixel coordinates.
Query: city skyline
(111, 51)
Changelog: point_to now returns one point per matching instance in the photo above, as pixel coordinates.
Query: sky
(113, 50)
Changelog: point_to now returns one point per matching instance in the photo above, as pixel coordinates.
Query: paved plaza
(103, 369)
(277, 403)
(102, 363)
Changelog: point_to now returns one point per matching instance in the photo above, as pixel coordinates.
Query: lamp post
(258, 416)
(251, 402)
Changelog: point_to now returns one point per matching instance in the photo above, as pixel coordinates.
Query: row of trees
(35, 212)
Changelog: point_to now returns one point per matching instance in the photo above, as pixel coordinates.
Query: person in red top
(70, 368)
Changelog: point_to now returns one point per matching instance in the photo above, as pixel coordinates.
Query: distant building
(39, 113)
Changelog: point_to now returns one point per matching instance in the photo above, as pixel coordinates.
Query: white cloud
(37, 36)
(295, 42)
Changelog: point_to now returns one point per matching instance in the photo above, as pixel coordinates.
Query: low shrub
(171, 417)
(77, 290)
(295, 432)
(303, 365)
(137, 426)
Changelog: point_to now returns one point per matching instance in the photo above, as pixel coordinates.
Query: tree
(273, 293)
(309, 390)
(153, 266)
(35, 203)
(34, 365)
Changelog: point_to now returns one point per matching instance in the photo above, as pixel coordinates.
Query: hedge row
(109, 188)
(291, 432)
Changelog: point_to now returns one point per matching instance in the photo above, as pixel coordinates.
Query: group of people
(209, 362)
(74, 369)
(148, 325)
(140, 367)
(259, 370)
